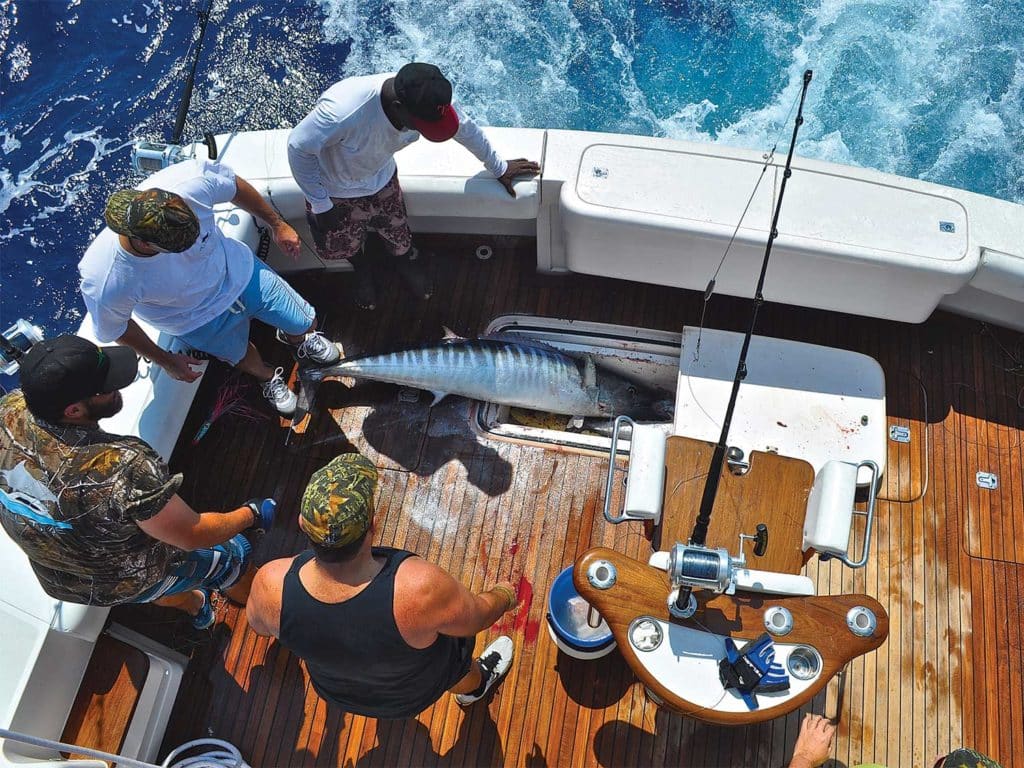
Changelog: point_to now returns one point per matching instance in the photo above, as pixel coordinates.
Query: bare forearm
(493, 604)
(248, 199)
(137, 339)
(217, 527)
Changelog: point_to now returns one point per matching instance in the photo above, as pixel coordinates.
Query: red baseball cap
(442, 129)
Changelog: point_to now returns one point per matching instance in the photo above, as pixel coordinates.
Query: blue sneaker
(206, 617)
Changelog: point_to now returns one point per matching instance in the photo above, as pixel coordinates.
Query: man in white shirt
(342, 156)
(163, 258)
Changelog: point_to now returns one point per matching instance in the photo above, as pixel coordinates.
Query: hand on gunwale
(518, 167)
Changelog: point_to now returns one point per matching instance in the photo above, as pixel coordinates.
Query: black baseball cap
(427, 94)
(59, 372)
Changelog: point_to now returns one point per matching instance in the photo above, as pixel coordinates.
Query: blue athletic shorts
(267, 297)
(216, 568)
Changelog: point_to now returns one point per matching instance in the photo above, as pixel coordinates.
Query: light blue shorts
(267, 297)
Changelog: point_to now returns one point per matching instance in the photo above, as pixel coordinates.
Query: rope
(222, 755)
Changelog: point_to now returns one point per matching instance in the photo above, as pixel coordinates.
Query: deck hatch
(647, 356)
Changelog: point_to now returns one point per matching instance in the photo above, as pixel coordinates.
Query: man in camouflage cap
(98, 514)
(383, 632)
(154, 216)
(163, 259)
(337, 506)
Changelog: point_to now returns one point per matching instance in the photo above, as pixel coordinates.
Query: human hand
(813, 743)
(326, 220)
(179, 366)
(287, 239)
(263, 511)
(518, 167)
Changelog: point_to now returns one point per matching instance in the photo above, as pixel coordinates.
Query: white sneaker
(278, 395)
(495, 660)
(316, 348)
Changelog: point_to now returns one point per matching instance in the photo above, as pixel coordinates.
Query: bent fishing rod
(707, 502)
(186, 92)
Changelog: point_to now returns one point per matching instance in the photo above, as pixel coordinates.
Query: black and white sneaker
(495, 661)
(278, 395)
(316, 348)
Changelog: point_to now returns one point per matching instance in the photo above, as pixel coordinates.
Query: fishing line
(1017, 368)
(710, 288)
(707, 502)
(273, 204)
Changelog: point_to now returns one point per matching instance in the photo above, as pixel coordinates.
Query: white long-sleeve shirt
(346, 146)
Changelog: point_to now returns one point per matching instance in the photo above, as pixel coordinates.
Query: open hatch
(646, 356)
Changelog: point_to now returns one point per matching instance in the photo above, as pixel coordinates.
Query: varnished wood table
(774, 492)
(682, 670)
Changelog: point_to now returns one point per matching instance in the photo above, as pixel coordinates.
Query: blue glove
(752, 670)
(263, 511)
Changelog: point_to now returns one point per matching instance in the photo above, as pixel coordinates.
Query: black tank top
(355, 654)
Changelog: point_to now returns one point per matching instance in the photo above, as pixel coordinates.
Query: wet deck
(947, 562)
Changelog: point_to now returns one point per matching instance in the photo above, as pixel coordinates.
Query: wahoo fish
(519, 373)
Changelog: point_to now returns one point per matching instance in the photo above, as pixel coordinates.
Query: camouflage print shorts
(351, 218)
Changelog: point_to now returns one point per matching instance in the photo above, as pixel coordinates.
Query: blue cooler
(567, 622)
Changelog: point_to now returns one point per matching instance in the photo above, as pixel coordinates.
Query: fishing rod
(151, 156)
(707, 502)
(186, 94)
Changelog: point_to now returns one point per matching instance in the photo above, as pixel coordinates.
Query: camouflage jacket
(71, 498)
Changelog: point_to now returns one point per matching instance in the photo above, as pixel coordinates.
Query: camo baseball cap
(153, 215)
(337, 505)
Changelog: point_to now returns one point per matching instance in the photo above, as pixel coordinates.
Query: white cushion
(830, 509)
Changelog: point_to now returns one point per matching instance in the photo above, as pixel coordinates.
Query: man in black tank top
(383, 632)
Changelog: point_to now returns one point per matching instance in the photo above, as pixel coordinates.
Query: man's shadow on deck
(278, 720)
(406, 429)
(617, 742)
(408, 742)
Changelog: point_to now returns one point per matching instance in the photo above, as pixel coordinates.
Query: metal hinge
(899, 434)
(987, 480)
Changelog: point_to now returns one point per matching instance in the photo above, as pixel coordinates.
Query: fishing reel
(692, 566)
(15, 342)
(151, 156)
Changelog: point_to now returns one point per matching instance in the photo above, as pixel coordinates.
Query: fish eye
(631, 389)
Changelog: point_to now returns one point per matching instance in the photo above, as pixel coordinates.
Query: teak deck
(947, 559)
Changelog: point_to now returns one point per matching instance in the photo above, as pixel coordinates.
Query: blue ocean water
(932, 89)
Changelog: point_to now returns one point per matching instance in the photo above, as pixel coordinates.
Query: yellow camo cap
(338, 502)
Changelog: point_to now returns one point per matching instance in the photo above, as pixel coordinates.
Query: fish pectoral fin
(438, 397)
(450, 335)
(589, 373)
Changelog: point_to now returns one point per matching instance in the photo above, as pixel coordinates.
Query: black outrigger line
(186, 92)
(707, 502)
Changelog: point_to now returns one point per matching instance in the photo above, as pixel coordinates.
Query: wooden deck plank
(947, 562)
(107, 697)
